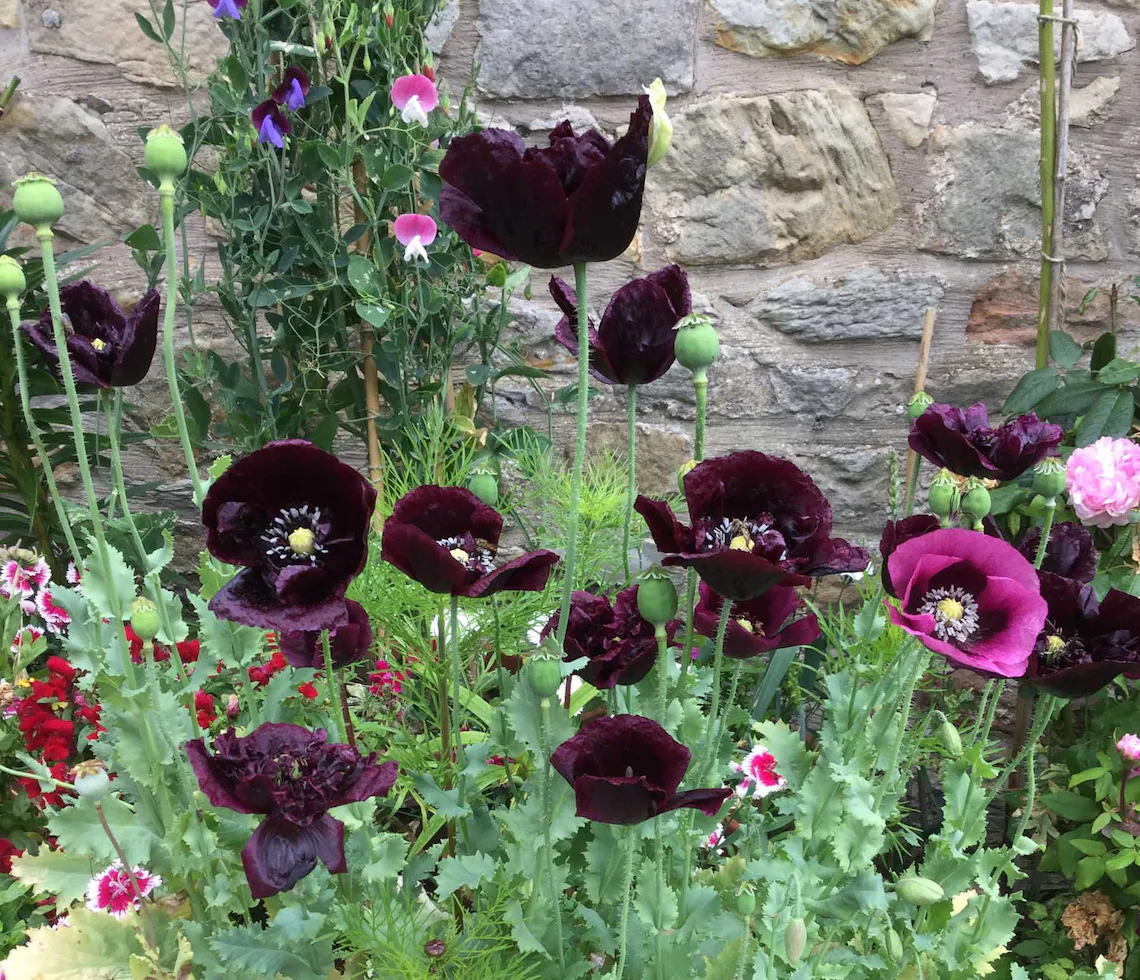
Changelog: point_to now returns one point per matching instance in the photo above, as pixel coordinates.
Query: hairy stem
(631, 488)
(547, 817)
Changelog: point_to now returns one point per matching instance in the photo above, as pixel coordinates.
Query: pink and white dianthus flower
(715, 839)
(25, 638)
(55, 618)
(760, 778)
(113, 892)
(1129, 747)
(1103, 481)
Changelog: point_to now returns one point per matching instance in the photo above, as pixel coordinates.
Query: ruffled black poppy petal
(420, 557)
(348, 643)
(280, 853)
(527, 573)
(135, 350)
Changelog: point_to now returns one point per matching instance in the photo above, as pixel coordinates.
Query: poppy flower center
(955, 613)
(1054, 645)
(295, 536)
(756, 629)
(739, 534)
(477, 557)
(99, 344)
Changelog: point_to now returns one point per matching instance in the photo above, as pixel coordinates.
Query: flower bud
(696, 345)
(144, 619)
(745, 900)
(975, 503)
(1049, 477)
(233, 706)
(919, 402)
(544, 674)
(795, 939)
(919, 891)
(944, 496)
(12, 281)
(687, 467)
(165, 152)
(951, 740)
(894, 946)
(37, 200)
(483, 484)
(660, 126)
(656, 597)
(90, 779)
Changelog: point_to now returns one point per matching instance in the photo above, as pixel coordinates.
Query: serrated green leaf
(108, 589)
(1120, 860)
(468, 871)
(56, 873)
(521, 933)
(445, 802)
(1071, 806)
(605, 867)
(1118, 371)
(656, 905)
(263, 954)
(1085, 775)
(78, 830)
(93, 946)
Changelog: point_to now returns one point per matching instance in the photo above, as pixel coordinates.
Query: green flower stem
(1048, 114)
(662, 673)
(144, 914)
(701, 387)
(456, 704)
(547, 817)
(1046, 528)
(905, 705)
(631, 459)
(659, 855)
(741, 972)
(331, 682)
(912, 486)
(502, 679)
(579, 447)
(20, 774)
(33, 430)
(991, 710)
(1043, 714)
(983, 707)
(690, 607)
(166, 194)
(708, 746)
(737, 667)
(623, 932)
(346, 714)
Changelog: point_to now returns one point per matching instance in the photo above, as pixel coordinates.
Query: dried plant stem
(1061, 164)
(912, 459)
(1048, 104)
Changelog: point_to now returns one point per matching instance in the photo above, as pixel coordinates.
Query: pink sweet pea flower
(1103, 481)
(415, 96)
(1129, 747)
(414, 231)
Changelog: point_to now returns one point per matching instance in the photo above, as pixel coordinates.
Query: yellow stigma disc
(951, 609)
(1054, 643)
(460, 555)
(303, 541)
(98, 344)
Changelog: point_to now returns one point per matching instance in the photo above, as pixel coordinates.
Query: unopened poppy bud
(976, 503)
(795, 939)
(660, 126)
(951, 740)
(696, 345)
(90, 779)
(165, 153)
(1049, 477)
(37, 200)
(686, 468)
(656, 597)
(944, 495)
(918, 890)
(12, 281)
(483, 484)
(745, 900)
(435, 948)
(894, 946)
(144, 619)
(544, 674)
(233, 706)
(919, 402)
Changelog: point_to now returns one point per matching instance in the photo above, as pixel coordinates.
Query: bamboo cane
(1048, 104)
(1064, 112)
(919, 385)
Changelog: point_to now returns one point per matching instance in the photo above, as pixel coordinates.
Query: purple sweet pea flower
(969, 596)
(626, 769)
(294, 778)
(621, 646)
(758, 521)
(348, 642)
(1085, 643)
(633, 345)
(297, 519)
(271, 124)
(577, 200)
(292, 90)
(108, 348)
(758, 625)
(964, 443)
(227, 8)
(446, 539)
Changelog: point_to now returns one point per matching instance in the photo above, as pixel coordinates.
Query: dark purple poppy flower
(227, 8)
(297, 519)
(270, 123)
(577, 200)
(1085, 644)
(626, 769)
(293, 777)
(446, 539)
(348, 642)
(108, 349)
(292, 90)
(964, 443)
(757, 625)
(970, 597)
(634, 343)
(896, 532)
(758, 521)
(1070, 551)
(621, 646)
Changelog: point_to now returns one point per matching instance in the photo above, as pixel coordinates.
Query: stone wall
(838, 166)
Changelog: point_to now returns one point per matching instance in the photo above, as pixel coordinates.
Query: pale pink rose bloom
(1103, 481)
(1129, 747)
(415, 96)
(414, 231)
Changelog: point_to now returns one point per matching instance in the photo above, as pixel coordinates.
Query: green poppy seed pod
(144, 619)
(976, 503)
(544, 674)
(745, 901)
(37, 200)
(90, 780)
(795, 939)
(1049, 477)
(656, 597)
(165, 153)
(696, 345)
(894, 946)
(686, 468)
(951, 740)
(920, 891)
(12, 281)
(919, 402)
(944, 495)
(483, 484)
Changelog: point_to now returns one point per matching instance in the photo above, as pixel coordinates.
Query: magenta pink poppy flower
(626, 769)
(577, 200)
(414, 232)
(271, 124)
(633, 344)
(758, 521)
(896, 532)
(969, 596)
(446, 539)
(757, 625)
(227, 8)
(293, 89)
(348, 643)
(294, 778)
(414, 96)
